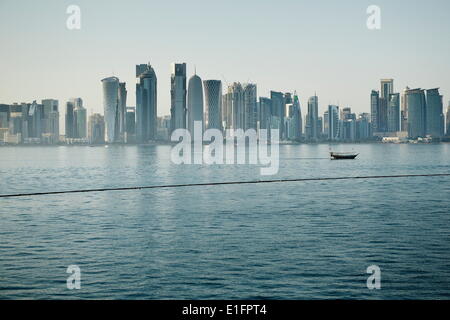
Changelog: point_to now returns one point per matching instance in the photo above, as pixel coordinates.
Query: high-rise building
(447, 126)
(51, 120)
(110, 107)
(80, 117)
(374, 111)
(195, 102)
(96, 129)
(434, 114)
(35, 116)
(70, 120)
(233, 107)
(416, 113)
(348, 130)
(363, 127)
(393, 113)
(178, 96)
(122, 111)
(312, 117)
(250, 100)
(213, 104)
(333, 123)
(404, 110)
(130, 129)
(264, 112)
(387, 88)
(146, 103)
(279, 111)
(295, 114)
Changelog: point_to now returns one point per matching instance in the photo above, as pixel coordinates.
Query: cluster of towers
(416, 112)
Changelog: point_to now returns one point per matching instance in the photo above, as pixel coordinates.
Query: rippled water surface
(298, 240)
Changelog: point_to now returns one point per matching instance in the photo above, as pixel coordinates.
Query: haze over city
(322, 47)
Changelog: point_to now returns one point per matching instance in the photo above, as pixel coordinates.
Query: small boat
(343, 155)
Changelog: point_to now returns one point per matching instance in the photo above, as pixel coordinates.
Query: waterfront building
(393, 113)
(404, 110)
(213, 104)
(96, 129)
(122, 111)
(195, 102)
(264, 112)
(178, 96)
(363, 127)
(110, 107)
(416, 113)
(333, 123)
(434, 114)
(447, 126)
(233, 107)
(250, 101)
(69, 120)
(312, 117)
(279, 110)
(146, 103)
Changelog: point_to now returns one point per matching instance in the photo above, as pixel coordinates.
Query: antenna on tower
(225, 80)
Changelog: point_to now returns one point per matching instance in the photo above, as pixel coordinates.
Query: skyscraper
(404, 110)
(110, 106)
(122, 111)
(279, 110)
(51, 120)
(393, 113)
(264, 112)
(374, 107)
(296, 115)
(233, 107)
(416, 113)
(434, 114)
(70, 120)
(178, 96)
(333, 123)
(96, 129)
(130, 125)
(447, 130)
(387, 88)
(250, 105)
(195, 102)
(363, 126)
(80, 123)
(312, 118)
(146, 103)
(213, 104)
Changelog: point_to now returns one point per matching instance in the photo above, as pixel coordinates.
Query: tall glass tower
(213, 104)
(146, 103)
(434, 114)
(312, 118)
(178, 96)
(416, 113)
(195, 102)
(393, 113)
(110, 107)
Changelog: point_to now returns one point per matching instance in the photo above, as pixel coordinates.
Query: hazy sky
(282, 45)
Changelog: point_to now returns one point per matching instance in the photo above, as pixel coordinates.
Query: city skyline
(346, 58)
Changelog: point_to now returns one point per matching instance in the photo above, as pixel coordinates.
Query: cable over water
(223, 183)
